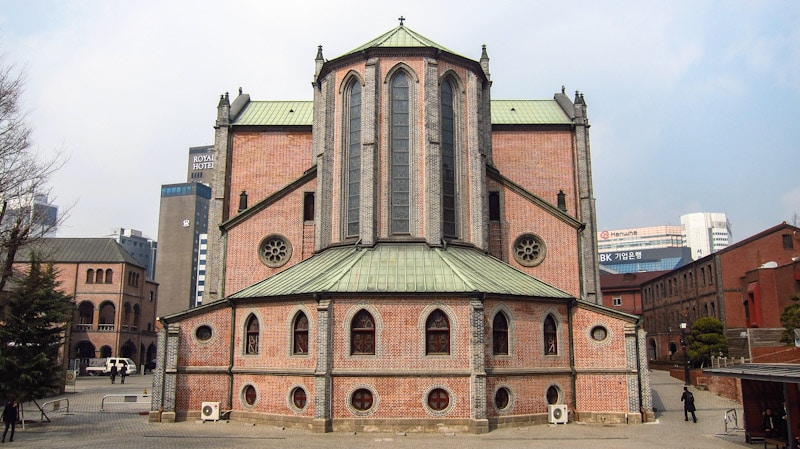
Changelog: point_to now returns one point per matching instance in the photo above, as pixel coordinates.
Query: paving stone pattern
(120, 426)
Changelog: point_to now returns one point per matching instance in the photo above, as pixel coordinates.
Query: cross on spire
(401, 19)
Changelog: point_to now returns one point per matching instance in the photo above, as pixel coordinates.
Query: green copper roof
(301, 113)
(401, 268)
(399, 37)
(274, 113)
(526, 112)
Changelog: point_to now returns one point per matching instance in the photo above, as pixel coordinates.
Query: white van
(120, 362)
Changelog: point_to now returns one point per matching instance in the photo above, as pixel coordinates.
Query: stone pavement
(120, 426)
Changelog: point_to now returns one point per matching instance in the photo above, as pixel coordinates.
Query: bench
(779, 443)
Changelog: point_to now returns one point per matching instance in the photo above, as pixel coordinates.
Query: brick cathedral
(402, 253)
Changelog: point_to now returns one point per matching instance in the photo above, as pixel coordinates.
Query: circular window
(438, 399)
(274, 251)
(250, 395)
(362, 399)
(553, 395)
(299, 398)
(502, 398)
(529, 250)
(203, 333)
(599, 333)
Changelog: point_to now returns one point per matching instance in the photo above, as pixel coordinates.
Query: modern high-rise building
(202, 256)
(706, 232)
(142, 248)
(634, 250)
(35, 209)
(201, 164)
(183, 217)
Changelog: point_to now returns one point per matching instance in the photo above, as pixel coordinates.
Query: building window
(250, 395)
(529, 250)
(400, 158)
(109, 276)
(616, 301)
(599, 333)
(502, 398)
(308, 206)
(274, 251)
(203, 333)
(362, 338)
(299, 398)
(787, 241)
(553, 395)
(89, 276)
(710, 275)
(494, 206)
(362, 399)
(300, 337)
(438, 399)
(437, 333)
(353, 158)
(550, 340)
(500, 334)
(449, 207)
(251, 337)
(98, 277)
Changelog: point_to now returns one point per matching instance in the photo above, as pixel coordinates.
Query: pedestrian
(113, 373)
(123, 371)
(10, 417)
(688, 405)
(769, 423)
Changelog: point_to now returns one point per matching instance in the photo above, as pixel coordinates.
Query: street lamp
(685, 356)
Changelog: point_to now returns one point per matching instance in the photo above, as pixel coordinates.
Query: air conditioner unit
(557, 414)
(209, 411)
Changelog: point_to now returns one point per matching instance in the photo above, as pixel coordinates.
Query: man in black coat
(10, 417)
(688, 405)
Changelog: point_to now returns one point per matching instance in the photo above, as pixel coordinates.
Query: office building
(182, 219)
(706, 232)
(142, 248)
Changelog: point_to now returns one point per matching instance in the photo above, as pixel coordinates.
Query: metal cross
(401, 19)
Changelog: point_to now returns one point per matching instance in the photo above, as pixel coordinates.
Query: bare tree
(23, 175)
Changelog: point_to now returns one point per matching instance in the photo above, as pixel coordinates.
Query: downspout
(232, 349)
(573, 372)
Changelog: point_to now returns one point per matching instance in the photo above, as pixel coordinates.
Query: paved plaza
(120, 426)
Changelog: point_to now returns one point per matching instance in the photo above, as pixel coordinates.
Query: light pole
(685, 356)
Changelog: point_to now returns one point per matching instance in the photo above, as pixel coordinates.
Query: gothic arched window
(437, 333)
(300, 334)
(449, 208)
(362, 334)
(400, 155)
(550, 340)
(500, 334)
(353, 158)
(251, 335)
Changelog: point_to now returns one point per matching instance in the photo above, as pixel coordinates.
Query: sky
(691, 103)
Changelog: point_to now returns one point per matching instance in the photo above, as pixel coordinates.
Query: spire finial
(401, 19)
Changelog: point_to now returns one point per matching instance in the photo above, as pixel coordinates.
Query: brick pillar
(480, 424)
(322, 375)
(170, 372)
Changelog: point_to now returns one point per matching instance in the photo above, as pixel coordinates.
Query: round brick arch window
(274, 250)
(529, 250)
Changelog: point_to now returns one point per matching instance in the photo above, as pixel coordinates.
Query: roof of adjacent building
(628, 280)
(401, 268)
(76, 250)
(767, 372)
(301, 113)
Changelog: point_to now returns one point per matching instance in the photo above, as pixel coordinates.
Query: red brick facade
(550, 349)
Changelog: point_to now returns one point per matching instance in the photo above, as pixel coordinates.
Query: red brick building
(747, 286)
(403, 253)
(115, 306)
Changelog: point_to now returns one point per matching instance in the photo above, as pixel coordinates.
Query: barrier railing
(730, 416)
(124, 399)
(56, 405)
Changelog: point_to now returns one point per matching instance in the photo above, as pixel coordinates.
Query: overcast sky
(692, 103)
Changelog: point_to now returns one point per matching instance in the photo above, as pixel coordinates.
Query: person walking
(10, 417)
(688, 405)
(123, 371)
(113, 373)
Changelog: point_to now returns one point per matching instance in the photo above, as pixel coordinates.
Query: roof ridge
(445, 258)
